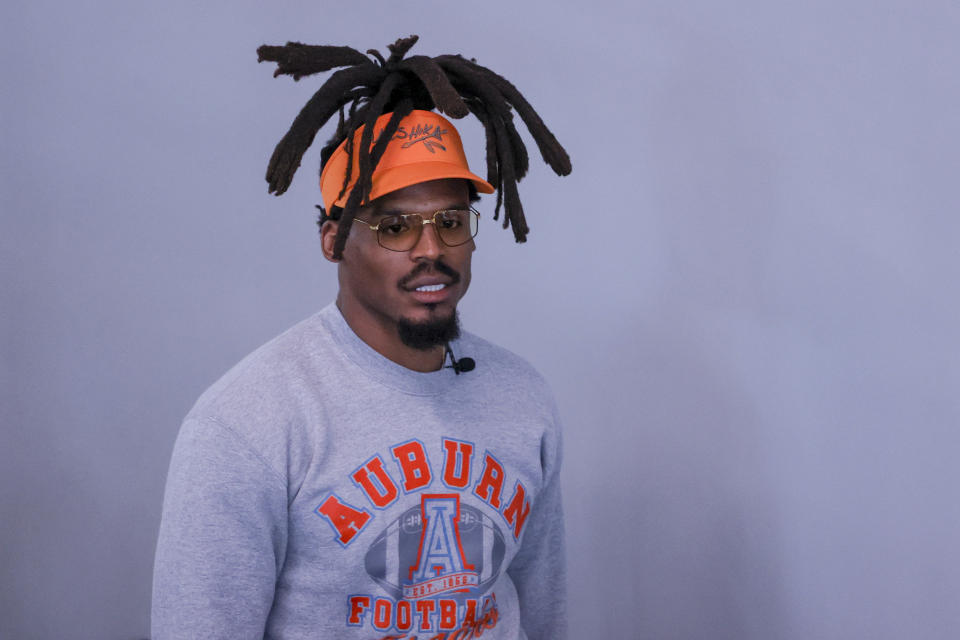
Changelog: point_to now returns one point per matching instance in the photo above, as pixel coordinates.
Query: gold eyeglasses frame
(473, 226)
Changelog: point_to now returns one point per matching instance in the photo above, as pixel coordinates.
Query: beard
(432, 333)
(437, 331)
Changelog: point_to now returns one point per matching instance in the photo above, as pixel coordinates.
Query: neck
(383, 338)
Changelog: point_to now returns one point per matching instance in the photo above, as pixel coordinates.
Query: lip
(430, 297)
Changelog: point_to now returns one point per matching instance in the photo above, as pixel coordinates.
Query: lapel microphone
(459, 366)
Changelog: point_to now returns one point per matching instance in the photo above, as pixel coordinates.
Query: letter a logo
(441, 565)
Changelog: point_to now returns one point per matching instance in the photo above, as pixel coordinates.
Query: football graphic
(392, 559)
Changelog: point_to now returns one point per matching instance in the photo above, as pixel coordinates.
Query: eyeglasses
(402, 232)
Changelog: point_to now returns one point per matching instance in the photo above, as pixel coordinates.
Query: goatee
(427, 335)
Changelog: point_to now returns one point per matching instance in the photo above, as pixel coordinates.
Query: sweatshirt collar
(379, 368)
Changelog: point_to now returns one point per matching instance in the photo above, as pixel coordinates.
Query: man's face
(381, 290)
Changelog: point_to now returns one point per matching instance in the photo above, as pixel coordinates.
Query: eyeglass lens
(401, 232)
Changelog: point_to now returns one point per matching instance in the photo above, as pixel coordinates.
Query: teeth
(431, 287)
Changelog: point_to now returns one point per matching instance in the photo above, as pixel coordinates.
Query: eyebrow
(396, 211)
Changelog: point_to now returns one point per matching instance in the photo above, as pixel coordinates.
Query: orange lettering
(517, 511)
(381, 614)
(345, 519)
(357, 606)
(425, 610)
(404, 619)
(413, 465)
(456, 463)
(381, 493)
(491, 482)
(448, 615)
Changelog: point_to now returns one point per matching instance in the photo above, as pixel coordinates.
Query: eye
(451, 219)
(394, 225)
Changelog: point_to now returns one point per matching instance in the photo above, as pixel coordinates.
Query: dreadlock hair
(371, 86)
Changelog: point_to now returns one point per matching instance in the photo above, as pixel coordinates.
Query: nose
(429, 246)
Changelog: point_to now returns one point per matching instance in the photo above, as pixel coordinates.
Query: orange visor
(425, 147)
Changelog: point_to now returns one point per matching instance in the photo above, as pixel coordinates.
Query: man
(342, 481)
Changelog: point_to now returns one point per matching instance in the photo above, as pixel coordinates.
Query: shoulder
(273, 402)
(274, 380)
(509, 362)
(512, 391)
(510, 374)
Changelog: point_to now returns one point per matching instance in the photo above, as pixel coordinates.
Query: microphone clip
(459, 366)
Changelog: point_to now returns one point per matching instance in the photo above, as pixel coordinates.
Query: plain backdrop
(745, 296)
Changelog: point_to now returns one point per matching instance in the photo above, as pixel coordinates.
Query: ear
(328, 235)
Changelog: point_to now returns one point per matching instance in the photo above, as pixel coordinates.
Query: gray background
(744, 296)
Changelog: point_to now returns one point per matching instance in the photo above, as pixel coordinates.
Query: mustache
(437, 266)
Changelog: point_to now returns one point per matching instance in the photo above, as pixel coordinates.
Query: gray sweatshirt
(320, 490)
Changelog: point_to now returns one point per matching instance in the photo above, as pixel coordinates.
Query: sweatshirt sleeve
(222, 538)
(539, 570)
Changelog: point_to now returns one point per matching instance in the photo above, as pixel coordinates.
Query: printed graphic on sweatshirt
(436, 563)
(440, 547)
